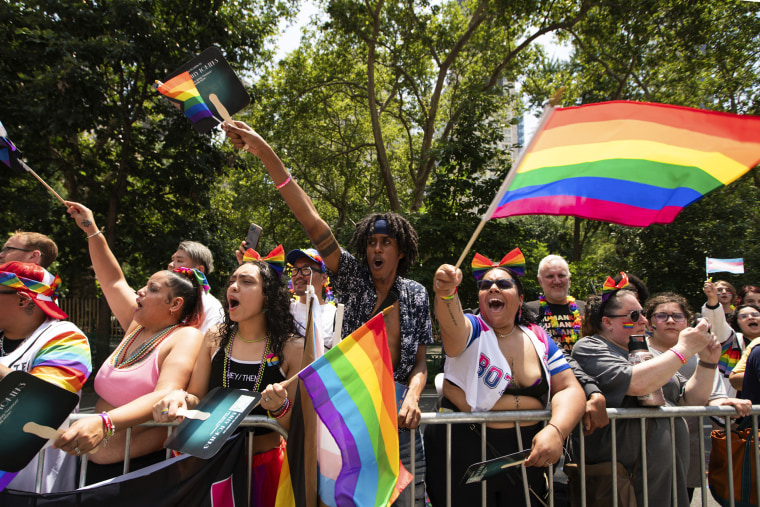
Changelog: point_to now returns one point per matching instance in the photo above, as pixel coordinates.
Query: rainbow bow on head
(514, 261)
(197, 274)
(276, 258)
(609, 286)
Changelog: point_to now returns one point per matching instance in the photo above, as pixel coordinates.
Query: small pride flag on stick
(181, 90)
(735, 266)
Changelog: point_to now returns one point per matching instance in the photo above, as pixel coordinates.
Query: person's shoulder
(588, 343)
(411, 285)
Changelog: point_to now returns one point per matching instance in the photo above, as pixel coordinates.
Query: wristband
(558, 430)
(680, 356)
(108, 427)
(94, 234)
(710, 307)
(449, 298)
(709, 366)
(282, 410)
(284, 182)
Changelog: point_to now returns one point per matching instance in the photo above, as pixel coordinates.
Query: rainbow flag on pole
(352, 389)
(9, 153)
(182, 91)
(630, 163)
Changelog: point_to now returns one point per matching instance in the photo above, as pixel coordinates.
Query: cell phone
(480, 471)
(252, 239)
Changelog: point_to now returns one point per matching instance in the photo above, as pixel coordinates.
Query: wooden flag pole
(29, 170)
(548, 109)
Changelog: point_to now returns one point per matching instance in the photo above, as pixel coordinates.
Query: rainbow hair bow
(276, 258)
(514, 261)
(610, 287)
(197, 274)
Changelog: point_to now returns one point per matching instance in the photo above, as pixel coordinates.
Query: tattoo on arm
(86, 223)
(451, 313)
(326, 243)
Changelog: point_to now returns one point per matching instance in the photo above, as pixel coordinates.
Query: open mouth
(495, 304)
(377, 262)
(233, 303)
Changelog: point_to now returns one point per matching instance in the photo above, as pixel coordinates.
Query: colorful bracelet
(709, 366)
(108, 427)
(282, 410)
(284, 182)
(680, 356)
(449, 298)
(558, 430)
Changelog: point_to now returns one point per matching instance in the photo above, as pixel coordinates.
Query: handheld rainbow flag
(182, 92)
(352, 389)
(629, 163)
(9, 153)
(735, 266)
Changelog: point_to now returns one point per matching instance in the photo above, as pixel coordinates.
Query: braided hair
(398, 228)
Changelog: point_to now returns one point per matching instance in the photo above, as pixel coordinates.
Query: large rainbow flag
(630, 163)
(352, 389)
(182, 91)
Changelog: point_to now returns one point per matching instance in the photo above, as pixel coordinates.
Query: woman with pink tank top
(255, 348)
(155, 357)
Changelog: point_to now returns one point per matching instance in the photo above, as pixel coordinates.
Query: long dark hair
(398, 227)
(279, 320)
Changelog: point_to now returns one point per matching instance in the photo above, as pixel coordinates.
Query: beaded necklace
(228, 358)
(565, 336)
(119, 359)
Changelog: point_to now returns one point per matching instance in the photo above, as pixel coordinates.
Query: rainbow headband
(43, 292)
(276, 258)
(514, 261)
(197, 274)
(610, 287)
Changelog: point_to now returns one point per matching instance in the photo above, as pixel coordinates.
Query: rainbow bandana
(514, 261)
(42, 293)
(276, 258)
(198, 275)
(609, 286)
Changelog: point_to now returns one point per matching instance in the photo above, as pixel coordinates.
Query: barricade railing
(519, 418)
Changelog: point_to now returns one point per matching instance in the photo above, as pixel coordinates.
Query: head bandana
(197, 274)
(610, 287)
(514, 261)
(381, 227)
(276, 258)
(44, 295)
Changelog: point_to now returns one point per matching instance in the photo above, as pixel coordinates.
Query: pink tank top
(120, 386)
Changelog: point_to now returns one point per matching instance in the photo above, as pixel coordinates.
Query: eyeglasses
(635, 315)
(501, 283)
(745, 316)
(305, 271)
(7, 292)
(663, 317)
(6, 249)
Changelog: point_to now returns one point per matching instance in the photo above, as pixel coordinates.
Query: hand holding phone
(252, 239)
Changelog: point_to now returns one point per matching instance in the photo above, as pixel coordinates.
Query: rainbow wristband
(108, 427)
(680, 356)
(283, 410)
(449, 298)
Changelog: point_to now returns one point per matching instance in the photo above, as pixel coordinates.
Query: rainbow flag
(9, 153)
(629, 163)
(352, 389)
(182, 91)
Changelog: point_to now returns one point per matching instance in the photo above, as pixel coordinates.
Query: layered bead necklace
(228, 358)
(119, 359)
(568, 337)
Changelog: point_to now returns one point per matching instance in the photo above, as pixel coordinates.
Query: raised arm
(120, 296)
(712, 310)
(244, 137)
(455, 328)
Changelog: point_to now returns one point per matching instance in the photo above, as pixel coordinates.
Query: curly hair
(525, 316)
(664, 298)
(398, 228)
(279, 320)
(596, 309)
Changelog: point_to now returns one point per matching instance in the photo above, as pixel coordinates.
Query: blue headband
(381, 227)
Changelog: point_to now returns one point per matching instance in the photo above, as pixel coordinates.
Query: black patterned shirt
(354, 289)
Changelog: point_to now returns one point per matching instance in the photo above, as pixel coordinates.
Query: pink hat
(35, 281)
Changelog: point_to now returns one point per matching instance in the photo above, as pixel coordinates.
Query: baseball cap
(311, 253)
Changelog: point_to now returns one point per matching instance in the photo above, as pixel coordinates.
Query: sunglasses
(501, 283)
(635, 315)
(663, 317)
(745, 316)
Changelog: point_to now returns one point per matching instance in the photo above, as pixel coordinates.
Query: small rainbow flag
(9, 153)
(182, 91)
(629, 163)
(352, 389)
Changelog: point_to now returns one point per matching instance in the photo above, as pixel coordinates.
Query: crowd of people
(508, 354)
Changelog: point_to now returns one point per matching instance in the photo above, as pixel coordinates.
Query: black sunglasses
(635, 315)
(501, 283)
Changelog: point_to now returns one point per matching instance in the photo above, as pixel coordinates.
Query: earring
(519, 316)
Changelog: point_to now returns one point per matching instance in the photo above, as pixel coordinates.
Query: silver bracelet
(94, 234)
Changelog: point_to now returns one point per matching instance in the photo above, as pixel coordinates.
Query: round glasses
(305, 271)
(635, 315)
(663, 317)
(745, 316)
(501, 283)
